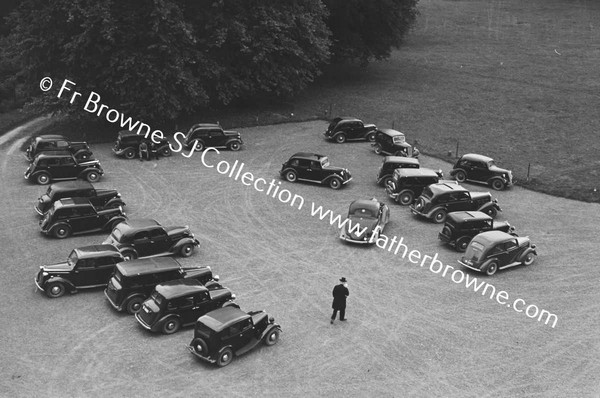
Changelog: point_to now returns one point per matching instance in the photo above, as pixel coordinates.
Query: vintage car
(86, 267)
(437, 200)
(479, 168)
(391, 163)
(73, 216)
(139, 238)
(367, 219)
(100, 198)
(461, 226)
(407, 184)
(493, 250)
(206, 135)
(80, 150)
(180, 303)
(133, 281)
(342, 129)
(311, 167)
(54, 166)
(229, 331)
(392, 142)
(128, 144)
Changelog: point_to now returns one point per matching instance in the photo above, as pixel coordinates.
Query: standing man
(340, 292)
(143, 151)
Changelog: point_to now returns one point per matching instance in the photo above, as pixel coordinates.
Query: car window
(202, 297)
(157, 233)
(88, 263)
(87, 211)
(511, 244)
(52, 162)
(67, 161)
(295, 162)
(499, 248)
(141, 235)
(62, 144)
(315, 165)
(181, 302)
(303, 163)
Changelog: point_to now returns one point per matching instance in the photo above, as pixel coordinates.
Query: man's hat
(343, 279)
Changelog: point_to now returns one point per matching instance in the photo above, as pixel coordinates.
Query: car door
(184, 306)
(460, 201)
(316, 171)
(83, 273)
(240, 334)
(202, 305)
(478, 171)
(90, 219)
(354, 130)
(511, 251)
(141, 243)
(159, 240)
(303, 169)
(216, 138)
(105, 266)
(67, 168)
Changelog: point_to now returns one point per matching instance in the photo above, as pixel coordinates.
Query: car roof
(461, 216)
(442, 187)
(71, 185)
(347, 119)
(97, 251)
(128, 133)
(50, 137)
(72, 202)
(476, 157)
(132, 225)
(421, 172)
(54, 154)
(180, 287)
(146, 266)
(205, 126)
(222, 318)
(491, 238)
(370, 204)
(308, 155)
(391, 132)
(400, 159)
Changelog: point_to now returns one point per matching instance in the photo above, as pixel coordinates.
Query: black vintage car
(461, 226)
(311, 167)
(86, 267)
(43, 143)
(229, 331)
(73, 216)
(367, 219)
(133, 281)
(180, 303)
(407, 184)
(493, 250)
(139, 238)
(437, 200)
(393, 142)
(100, 198)
(342, 129)
(55, 166)
(128, 144)
(482, 169)
(391, 163)
(205, 135)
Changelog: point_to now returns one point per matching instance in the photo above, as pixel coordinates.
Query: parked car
(133, 281)
(437, 200)
(86, 267)
(139, 238)
(493, 250)
(367, 219)
(128, 144)
(311, 167)
(180, 303)
(407, 184)
(462, 226)
(482, 169)
(100, 198)
(54, 166)
(73, 216)
(393, 142)
(205, 135)
(43, 143)
(342, 129)
(227, 332)
(391, 163)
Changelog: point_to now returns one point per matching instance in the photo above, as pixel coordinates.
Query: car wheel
(187, 250)
(134, 304)
(386, 181)
(171, 325)
(84, 155)
(55, 289)
(529, 259)
(92, 176)
(225, 357)
(114, 225)
(129, 255)
(371, 137)
(200, 346)
(462, 243)
(291, 176)
(129, 153)
(234, 146)
(439, 216)
(199, 146)
(166, 151)
(340, 138)
(43, 178)
(498, 185)
(492, 212)
(492, 268)
(335, 183)
(61, 231)
(378, 149)
(272, 338)
(460, 176)
(406, 198)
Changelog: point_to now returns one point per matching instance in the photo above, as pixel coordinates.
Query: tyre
(134, 304)
(406, 198)
(492, 212)
(129, 153)
(460, 176)
(129, 255)
(171, 325)
(43, 178)
(166, 151)
(386, 181)
(272, 338)
(492, 268)
(371, 137)
(529, 259)
(225, 357)
(335, 183)
(498, 185)
(92, 176)
(291, 176)
(61, 231)
(114, 225)
(200, 346)
(439, 216)
(420, 204)
(462, 243)
(83, 155)
(199, 146)
(55, 289)
(378, 149)
(234, 146)
(186, 250)
(340, 138)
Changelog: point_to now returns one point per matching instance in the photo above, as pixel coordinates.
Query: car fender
(177, 246)
(113, 201)
(269, 328)
(163, 318)
(487, 205)
(233, 139)
(330, 177)
(492, 179)
(54, 225)
(129, 248)
(68, 284)
(33, 176)
(112, 221)
(121, 151)
(434, 209)
(82, 150)
(526, 252)
(87, 170)
(454, 171)
(230, 303)
(193, 140)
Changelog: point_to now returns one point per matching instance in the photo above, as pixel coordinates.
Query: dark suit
(340, 292)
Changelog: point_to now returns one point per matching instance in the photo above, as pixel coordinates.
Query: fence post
(456, 156)
(330, 110)
(393, 124)
(528, 170)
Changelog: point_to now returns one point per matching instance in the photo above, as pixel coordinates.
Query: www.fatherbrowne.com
(394, 245)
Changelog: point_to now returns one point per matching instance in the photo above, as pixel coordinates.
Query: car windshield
(203, 330)
(324, 161)
(475, 251)
(427, 193)
(158, 298)
(491, 163)
(399, 139)
(118, 276)
(117, 234)
(49, 192)
(72, 260)
(362, 212)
